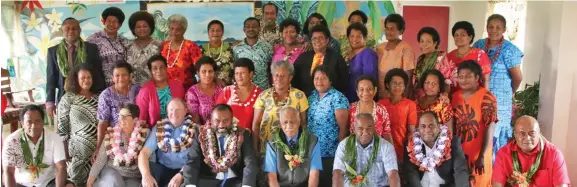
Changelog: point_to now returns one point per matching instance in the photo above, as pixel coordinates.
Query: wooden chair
(11, 114)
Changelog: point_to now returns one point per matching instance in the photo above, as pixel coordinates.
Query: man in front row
(222, 154)
(32, 156)
(530, 157)
(424, 168)
(365, 159)
(293, 155)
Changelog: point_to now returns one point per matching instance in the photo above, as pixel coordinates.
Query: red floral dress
(182, 69)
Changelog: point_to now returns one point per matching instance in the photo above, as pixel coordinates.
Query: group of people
(287, 106)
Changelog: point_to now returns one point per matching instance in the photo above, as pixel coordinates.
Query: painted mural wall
(36, 24)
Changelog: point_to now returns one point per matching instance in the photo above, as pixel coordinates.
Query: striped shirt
(385, 162)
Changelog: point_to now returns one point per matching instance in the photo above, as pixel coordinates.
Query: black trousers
(326, 175)
(162, 174)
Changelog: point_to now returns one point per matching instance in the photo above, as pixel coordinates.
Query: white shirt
(220, 175)
(431, 178)
(12, 156)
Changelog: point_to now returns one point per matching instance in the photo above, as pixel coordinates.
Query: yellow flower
(54, 17)
(44, 42)
(33, 22)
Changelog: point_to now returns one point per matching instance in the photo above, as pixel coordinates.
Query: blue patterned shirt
(261, 55)
(322, 121)
(172, 160)
(385, 162)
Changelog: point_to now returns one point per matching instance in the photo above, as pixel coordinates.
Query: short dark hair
(142, 15)
(72, 84)
(70, 18)
(465, 25)
(314, 15)
(244, 63)
(31, 108)
(436, 73)
(396, 72)
(218, 22)
(320, 68)
(155, 58)
(367, 78)
(431, 31)
(221, 107)
(435, 116)
(498, 17)
(123, 64)
(397, 19)
(358, 27)
(270, 4)
(134, 110)
(251, 19)
(113, 11)
(359, 13)
(205, 60)
(290, 22)
(471, 65)
(322, 29)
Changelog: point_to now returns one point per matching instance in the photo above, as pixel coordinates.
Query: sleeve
(370, 65)
(410, 171)
(386, 124)
(343, 74)
(259, 103)
(150, 142)
(484, 61)
(270, 159)
(341, 102)
(479, 44)
(408, 59)
(388, 155)
(559, 172)
(192, 101)
(11, 152)
(92, 38)
(64, 117)
(512, 57)
(412, 116)
(460, 168)
(499, 172)
(316, 162)
(58, 154)
(223, 97)
(489, 109)
(250, 170)
(446, 113)
(143, 101)
(303, 103)
(99, 163)
(51, 76)
(191, 169)
(445, 67)
(339, 156)
(104, 108)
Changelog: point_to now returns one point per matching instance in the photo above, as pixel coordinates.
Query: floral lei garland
(358, 178)
(441, 150)
(524, 179)
(165, 129)
(294, 159)
(209, 145)
(33, 164)
(112, 141)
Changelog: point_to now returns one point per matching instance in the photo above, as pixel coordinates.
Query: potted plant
(526, 102)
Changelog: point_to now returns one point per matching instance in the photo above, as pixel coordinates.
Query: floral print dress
(224, 61)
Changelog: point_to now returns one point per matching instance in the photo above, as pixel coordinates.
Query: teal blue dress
(164, 97)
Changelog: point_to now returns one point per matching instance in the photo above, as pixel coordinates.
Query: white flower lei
(426, 162)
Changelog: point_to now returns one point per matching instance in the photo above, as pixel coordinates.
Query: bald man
(530, 150)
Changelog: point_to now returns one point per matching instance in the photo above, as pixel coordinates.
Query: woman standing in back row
(505, 76)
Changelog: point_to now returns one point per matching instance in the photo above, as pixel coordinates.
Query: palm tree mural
(161, 29)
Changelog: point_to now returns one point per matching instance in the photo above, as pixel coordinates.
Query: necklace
(235, 99)
(441, 150)
(374, 113)
(210, 147)
(177, 54)
(219, 51)
(165, 139)
(498, 48)
(283, 102)
(358, 178)
(112, 141)
(115, 49)
(33, 163)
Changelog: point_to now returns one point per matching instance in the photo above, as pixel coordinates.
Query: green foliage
(375, 17)
(327, 9)
(527, 101)
(389, 7)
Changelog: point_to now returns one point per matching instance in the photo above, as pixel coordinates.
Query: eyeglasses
(397, 84)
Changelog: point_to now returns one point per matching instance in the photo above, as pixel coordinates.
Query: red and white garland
(235, 100)
(209, 146)
(112, 141)
(441, 150)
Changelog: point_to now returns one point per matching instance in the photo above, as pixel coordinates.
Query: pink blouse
(281, 54)
(200, 103)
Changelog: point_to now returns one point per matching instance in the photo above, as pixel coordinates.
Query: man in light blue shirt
(171, 149)
(356, 152)
(300, 157)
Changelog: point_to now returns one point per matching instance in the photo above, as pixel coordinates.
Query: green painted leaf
(327, 9)
(375, 16)
(305, 5)
(83, 6)
(76, 7)
(288, 8)
(389, 7)
(350, 169)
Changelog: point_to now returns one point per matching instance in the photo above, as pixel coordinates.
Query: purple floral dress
(109, 51)
(200, 103)
(109, 103)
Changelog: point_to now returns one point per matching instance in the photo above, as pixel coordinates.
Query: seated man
(32, 156)
(170, 140)
(376, 163)
(529, 157)
(423, 168)
(222, 155)
(293, 157)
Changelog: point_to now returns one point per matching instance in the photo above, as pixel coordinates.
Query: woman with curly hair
(142, 26)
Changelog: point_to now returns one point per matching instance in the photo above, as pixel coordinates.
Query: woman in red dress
(367, 90)
(463, 34)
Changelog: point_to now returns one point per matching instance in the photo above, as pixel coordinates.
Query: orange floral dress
(182, 69)
(402, 115)
(443, 110)
(472, 119)
(400, 57)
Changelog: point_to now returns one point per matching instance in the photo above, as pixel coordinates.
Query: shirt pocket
(542, 178)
